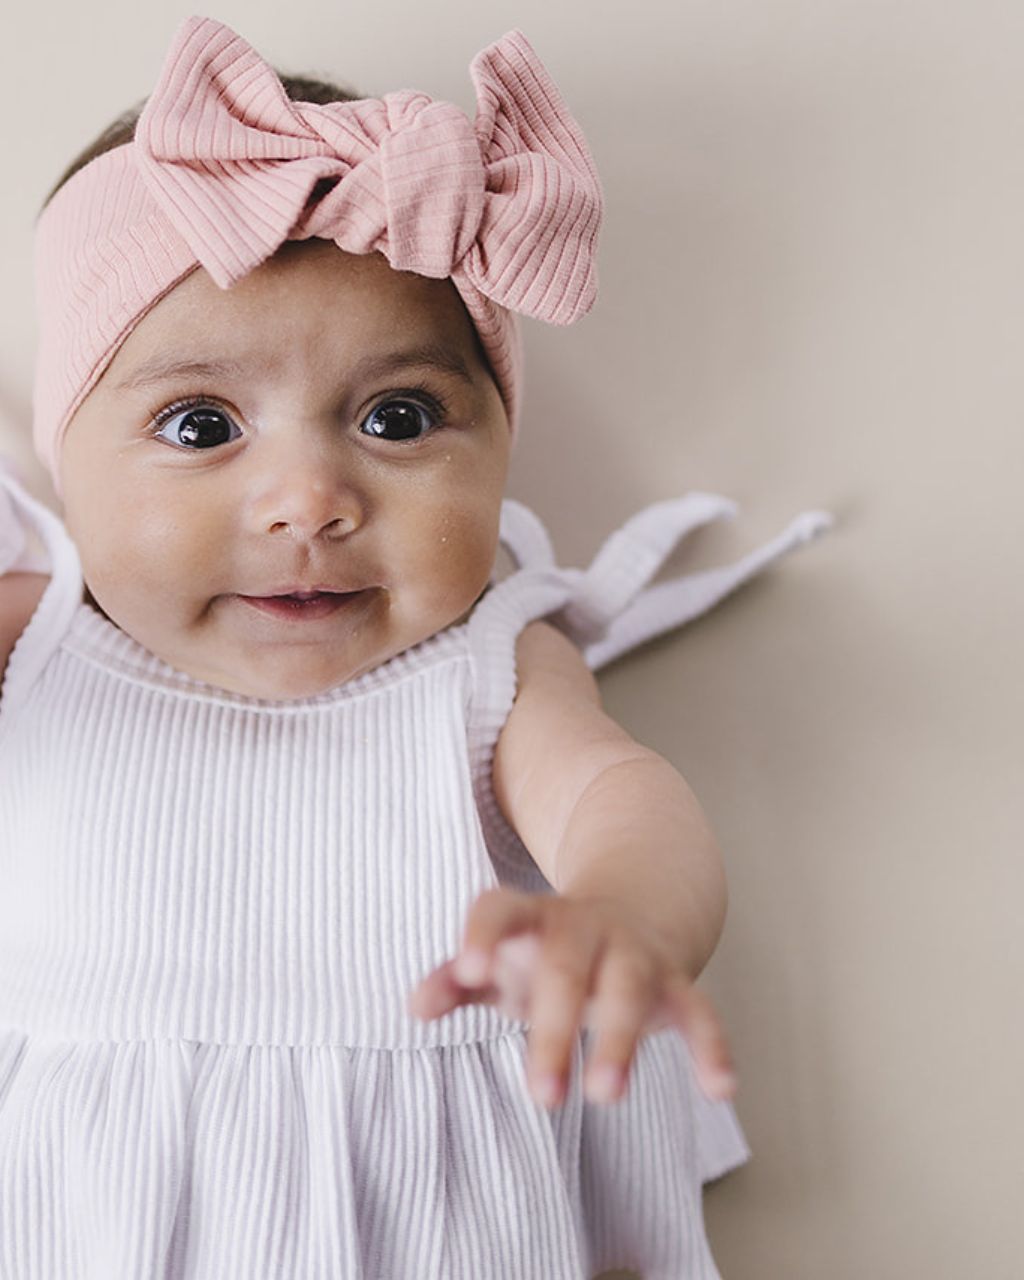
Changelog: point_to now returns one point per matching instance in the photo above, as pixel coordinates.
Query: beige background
(812, 296)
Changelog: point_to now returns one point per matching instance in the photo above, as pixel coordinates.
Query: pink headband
(222, 171)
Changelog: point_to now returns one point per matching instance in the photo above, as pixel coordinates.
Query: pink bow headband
(222, 170)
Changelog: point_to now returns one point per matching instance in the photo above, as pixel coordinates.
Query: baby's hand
(557, 962)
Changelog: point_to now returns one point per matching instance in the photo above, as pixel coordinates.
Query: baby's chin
(306, 672)
(293, 676)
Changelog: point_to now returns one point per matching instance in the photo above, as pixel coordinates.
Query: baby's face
(350, 438)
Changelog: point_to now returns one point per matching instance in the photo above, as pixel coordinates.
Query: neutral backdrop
(812, 295)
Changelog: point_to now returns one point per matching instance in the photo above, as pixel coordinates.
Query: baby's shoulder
(557, 716)
(546, 658)
(20, 594)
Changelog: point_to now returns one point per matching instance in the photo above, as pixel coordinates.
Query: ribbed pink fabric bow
(224, 168)
(510, 204)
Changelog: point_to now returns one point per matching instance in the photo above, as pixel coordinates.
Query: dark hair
(122, 130)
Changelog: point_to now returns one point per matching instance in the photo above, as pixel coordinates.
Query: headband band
(224, 168)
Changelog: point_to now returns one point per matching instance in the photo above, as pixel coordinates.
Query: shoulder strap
(20, 516)
(609, 608)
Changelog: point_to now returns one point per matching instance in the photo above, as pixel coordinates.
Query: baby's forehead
(309, 301)
(304, 271)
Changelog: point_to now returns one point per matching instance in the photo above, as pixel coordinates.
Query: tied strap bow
(509, 204)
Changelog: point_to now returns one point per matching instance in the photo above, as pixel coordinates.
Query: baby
(336, 911)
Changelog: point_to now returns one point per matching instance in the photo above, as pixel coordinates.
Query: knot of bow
(509, 204)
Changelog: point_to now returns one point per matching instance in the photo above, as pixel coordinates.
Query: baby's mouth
(305, 606)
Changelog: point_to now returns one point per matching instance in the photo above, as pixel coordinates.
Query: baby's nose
(308, 501)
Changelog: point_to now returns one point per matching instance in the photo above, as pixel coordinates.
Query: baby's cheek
(141, 573)
(465, 544)
(177, 545)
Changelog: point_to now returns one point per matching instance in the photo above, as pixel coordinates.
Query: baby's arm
(21, 586)
(641, 892)
(601, 814)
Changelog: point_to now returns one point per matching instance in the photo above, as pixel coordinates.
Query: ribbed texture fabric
(221, 173)
(276, 861)
(214, 909)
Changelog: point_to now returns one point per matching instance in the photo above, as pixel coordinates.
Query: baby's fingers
(440, 992)
(564, 970)
(626, 992)
(496, 914)
(695, 1016)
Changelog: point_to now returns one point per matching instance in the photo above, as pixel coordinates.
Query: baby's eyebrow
(154, 371)
(429, 354)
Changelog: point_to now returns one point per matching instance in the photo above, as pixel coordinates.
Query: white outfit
(213, 909)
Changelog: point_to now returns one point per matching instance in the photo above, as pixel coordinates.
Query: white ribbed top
(218, 868)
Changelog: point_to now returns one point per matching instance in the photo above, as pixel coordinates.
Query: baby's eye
(401, 419)
(196, 428)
